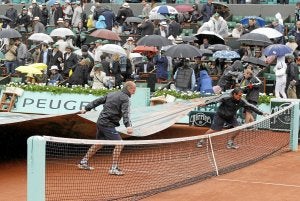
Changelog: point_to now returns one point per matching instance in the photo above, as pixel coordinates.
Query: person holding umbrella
(280, 73)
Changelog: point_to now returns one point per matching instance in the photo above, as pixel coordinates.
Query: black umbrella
(212, 37)
(133, 20)
(3, 17)
(183, 51)
(255, 39)
(10, 33)
(218, 47)
(255, 61)
(154, 40)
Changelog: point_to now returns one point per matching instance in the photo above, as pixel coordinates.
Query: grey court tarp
(145, 120)
(150, 120)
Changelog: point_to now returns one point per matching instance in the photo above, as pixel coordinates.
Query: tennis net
(149, 166)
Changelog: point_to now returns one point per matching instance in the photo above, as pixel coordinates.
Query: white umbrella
(269, 32)
(136, 58)
(41, 37)
(113, 49)
(135, 55)
(62, 32)
(79, 52)
(156, 16)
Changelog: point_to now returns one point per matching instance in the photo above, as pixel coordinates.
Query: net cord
(164, 141)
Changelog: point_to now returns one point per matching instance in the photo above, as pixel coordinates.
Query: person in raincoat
(204, 83)
(100, 24)
(216, 24)
(280, 73)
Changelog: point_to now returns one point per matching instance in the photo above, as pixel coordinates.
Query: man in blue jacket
(115, 107)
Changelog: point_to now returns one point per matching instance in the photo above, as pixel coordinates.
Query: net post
(294, 127)
(36, 150)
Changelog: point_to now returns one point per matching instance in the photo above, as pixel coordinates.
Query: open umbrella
(40, 37)
(255, 39)
(277, 50)
(28, 69)
(156, 16)
(10, 33)
(40, 66)
(269, 32)
(218, 47)
(226, 54)
(206, 52)
(255, 61)
(141, 49)
(61, 32)
(184, 8)
(164, 9)
(136, 58)
(154, 40)
(212, 37)
(133, 20)
(183, 51)
(3, 17)
(259, 21)
(105, 34)
(113, 49)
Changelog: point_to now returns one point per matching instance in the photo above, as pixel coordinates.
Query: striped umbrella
(164, 10)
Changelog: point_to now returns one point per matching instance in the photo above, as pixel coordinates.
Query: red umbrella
(184, 8)
(105, 34)
(141, 49)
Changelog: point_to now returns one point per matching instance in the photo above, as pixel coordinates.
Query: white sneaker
(232, 145)
(83, 165)
(115, 171)
(200, 143)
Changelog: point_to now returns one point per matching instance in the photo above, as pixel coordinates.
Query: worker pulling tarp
(149, 120)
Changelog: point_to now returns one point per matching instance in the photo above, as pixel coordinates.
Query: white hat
(54, 68)
(129, 38)
(178, 40)
(36, 19)
(67, 1)
(56, 2)
(163, 23)
(60, 20)
(125, 5)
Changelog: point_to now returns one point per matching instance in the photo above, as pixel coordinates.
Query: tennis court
(276, 178)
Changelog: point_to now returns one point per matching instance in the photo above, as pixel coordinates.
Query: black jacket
(115, 106)
(252, 94)
(229, 106)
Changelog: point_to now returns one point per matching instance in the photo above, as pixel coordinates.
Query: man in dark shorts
(115, 107)
(226, 113)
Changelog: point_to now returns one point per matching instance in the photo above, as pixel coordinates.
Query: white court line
(258, 182)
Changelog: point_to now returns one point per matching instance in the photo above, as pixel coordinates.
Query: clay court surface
(276, 178)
